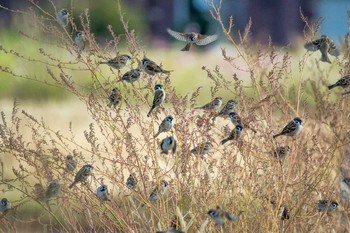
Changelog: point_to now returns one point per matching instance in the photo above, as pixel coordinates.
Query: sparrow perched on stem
(131, 76)
(62, 17)
(235, 134)
(118, 62)
(151, 68)
(159, 191)
(114, 98)
(202, 149)
(39, 192)
(281, 152)
(236, 120)
(325, 45)
(53, 190)
(79, 41)
(192, 38)
(213, 105)
(131, 181)
(71, 163)
(82, 175)
(168, 143)
(344, 82)
(229, 107)
(5, 205)
(102, 193)
(326, 205)
(219, 216)
(292, 129)
(165, 126)
(159, 96)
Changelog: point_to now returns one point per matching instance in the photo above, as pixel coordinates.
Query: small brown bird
(165, 126)
(344, 82)
(236, 120)
(159, 96)
(39, 192)
(192, 38)
(235, 134)
(118, 62)
(215, 104)
(281, 152)
(62, 17)
(82, 175)
(131, 76)
(53, 190)
(325, 45)
(227, 109)
(71, 163)
(114, 98)
(5, 205)
(151, 68)
(219, 216)
(202, 149)
(131, 181)
(167, 144)
(292, 129)
(159, 191)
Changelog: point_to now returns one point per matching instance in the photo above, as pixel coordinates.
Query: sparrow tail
(150, 111)
(187, 47)
(71, 186)
(325, 59)
(224, 141)
(156, 135)
(331, 86)
(277, 135)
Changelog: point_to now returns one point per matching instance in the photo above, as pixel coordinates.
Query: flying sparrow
(325, 45)
(227, 109)
(192, 38)
(131, 76)
(235, 134)
(213, 105)
(151, 68)
(71, 163)
(102, 193)
(236, 120)
(168, 143)
(202, 149)
(159, 191)
(165, 126)
(118, 62)
(132, 181)
(53, 190)
(82, 175)
(292, 129)
(219, 216)
(79, 40)
(326, 205)
(159, 96)
(114, 98)
(62, 17)
(344, 82)
(5, 205)
(281, 152)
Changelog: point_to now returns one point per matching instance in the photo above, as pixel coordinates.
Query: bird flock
(324, 44)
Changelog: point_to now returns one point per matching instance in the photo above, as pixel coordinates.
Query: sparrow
(102, 193)
(118, 62)
(344, 82)
(159, 191)
(82, 175)
(131, 76)
(229, 107)
(219, 216)
(5, 205)
(53, 190)
(114, 98)
(235, 134)
(202, 149)
(168, 143)
(79, 40)
(281, 152)
(283, 211)
(165, 126)
(131, 181)
(39, 193)
(62, 17)
(151, 68)
(192, 38)
(236, 120)
(213, 105)
(326, 206)
(159, 96)
(71, 163)
(292, 129)
(325, 45)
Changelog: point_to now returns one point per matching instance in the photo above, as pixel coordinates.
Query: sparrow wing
(333, 50)
(204, 40)
(177, 35)
(289, 128)
(158, 98)
(313, 45)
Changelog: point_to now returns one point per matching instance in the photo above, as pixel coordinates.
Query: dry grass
(242, 176)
